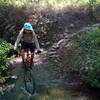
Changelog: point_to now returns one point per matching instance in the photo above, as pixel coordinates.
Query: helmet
(28, 26)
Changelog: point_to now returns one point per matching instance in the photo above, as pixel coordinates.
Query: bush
(83, 57)
(4, 50)
(86, 57)
(91, 69)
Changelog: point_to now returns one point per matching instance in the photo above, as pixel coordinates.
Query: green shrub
(91, 69)
(84, 57)
(4, 50)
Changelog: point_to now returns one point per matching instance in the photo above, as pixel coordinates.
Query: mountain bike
(28, 78)
(28, 65)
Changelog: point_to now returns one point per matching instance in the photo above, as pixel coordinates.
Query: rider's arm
(18, 39)
(36, 40)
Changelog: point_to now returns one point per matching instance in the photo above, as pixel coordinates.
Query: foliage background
(4, 51)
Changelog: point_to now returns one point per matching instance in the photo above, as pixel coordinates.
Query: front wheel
(29, 82)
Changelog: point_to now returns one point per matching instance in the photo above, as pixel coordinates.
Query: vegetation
(55, 4)
(83, 57)
(91, 69)
(4, 50)
(44, 14)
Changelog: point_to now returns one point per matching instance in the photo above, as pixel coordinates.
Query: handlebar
(19, 49)
(18, 52)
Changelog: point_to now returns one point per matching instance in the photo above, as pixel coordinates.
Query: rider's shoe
(23, 63)
(31, 62)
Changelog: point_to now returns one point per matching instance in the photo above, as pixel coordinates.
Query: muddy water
(49, 93)
(48, 90)
(48, 87)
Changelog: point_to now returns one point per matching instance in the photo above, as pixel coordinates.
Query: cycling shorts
(27, 46)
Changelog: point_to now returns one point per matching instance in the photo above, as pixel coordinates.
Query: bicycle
(28, 78)
(29, 81)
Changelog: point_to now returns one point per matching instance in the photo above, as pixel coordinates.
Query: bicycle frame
(28, 59)
(26, 56)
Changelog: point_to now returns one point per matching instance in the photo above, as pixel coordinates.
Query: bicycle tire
(29, 83)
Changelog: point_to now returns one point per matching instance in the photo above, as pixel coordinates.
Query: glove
(39, 51)
(15, 52)
(15, 48)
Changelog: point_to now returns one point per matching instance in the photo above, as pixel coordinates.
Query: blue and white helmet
(28, 26)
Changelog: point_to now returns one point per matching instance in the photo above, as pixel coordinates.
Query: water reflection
(52, 93)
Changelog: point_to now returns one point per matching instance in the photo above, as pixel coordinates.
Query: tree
(92, 4)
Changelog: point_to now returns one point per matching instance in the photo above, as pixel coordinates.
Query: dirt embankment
(49, 24)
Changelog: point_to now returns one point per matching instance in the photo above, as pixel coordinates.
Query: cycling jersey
(28, 38)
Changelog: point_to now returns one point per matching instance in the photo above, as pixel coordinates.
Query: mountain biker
(28, 40)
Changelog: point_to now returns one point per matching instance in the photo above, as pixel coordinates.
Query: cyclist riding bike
(28, 40)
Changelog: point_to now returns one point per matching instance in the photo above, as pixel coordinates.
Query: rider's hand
(15, 52)
(39, 51)
(15, 48)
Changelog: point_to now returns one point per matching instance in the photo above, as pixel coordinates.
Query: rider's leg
(22, 55)
(32, 57)
(23, 50)
(32, 48)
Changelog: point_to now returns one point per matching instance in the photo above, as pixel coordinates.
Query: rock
(55, 60)
(55, 46)
(47, 43)
(92, 27)
(42, 44)
(61, 41)
(54, 56)
(51, 53)
(12, 27)
(96, 25)
(67, 36)
(38, 37)
(71, 25)
(8, 26)
(10, 63)
(66, 30)
(60, 35)
(9, 87)
(82, 98)
(14, 77)
(52, 49)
